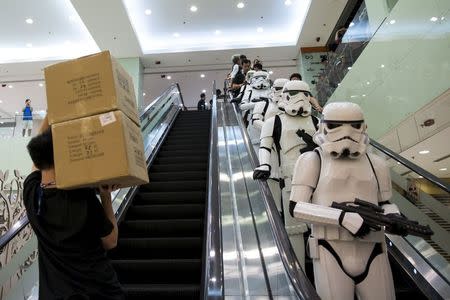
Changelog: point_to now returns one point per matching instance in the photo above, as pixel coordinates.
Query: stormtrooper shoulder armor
(383, 176)
(307, 169)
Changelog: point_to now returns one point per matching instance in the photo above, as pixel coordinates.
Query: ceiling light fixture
(169, 77)
(29, 21)
(10, 86)
(368, 82)
(203, 91)
(148, 12)
(194, 8)
(433, 19)
(1, 101)
(424, 152)
(382, 66)
(41, 84)
(287, 2)
(259, 29)
(143, 94)
(443, 169)
(240, 5)
(392, 22)
(29, 45)
(202, 75)
(176, 34)
(364, 95)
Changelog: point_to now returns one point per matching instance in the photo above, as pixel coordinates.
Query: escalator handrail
(17, 227)
(300, 282)
(415, 168)
(167, 91)
(213, 277)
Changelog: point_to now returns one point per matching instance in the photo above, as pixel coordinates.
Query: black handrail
(181, 96)
(213, 277)
(415, 168)
(301, 284)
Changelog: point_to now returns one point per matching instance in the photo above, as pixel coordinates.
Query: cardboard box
(88, 86)
(101, 149)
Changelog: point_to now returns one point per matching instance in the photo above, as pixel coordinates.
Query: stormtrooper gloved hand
(354, 223)
(262, 172)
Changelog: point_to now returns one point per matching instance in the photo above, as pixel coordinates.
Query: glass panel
(421, 200)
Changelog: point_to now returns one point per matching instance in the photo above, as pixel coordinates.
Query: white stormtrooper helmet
(295, 99)
(342, 131)
(249, 76)
(260, 80)
(277, 89)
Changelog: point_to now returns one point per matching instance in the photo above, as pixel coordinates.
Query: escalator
(159, 252)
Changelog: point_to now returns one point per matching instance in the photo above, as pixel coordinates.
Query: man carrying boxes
(94, 141)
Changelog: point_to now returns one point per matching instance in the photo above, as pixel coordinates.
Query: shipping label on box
(100, 149)
(87, 86)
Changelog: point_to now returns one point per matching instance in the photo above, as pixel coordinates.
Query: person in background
(257, 67)
(236, 66)
(312, 100)
(27, 112)
(201, 105)
(237, 83)
(73, 228)
(246, 66)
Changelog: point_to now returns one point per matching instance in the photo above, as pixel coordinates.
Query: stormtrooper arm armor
(247, 105)
(257, 116)
(305, 178)
(265, 148)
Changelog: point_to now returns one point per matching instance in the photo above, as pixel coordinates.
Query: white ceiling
(56, 32)
(216, 25)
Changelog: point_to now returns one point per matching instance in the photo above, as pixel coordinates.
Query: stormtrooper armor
(348, 258)
(265, 110)
(280, 133)
(260, 92)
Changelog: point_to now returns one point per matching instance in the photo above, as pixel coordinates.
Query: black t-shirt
(72, 261)
(238, 79)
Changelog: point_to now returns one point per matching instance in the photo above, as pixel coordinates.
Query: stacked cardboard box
(95, 124)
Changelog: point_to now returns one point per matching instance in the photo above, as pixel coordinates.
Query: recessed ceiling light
(364, 95)
(29, 45)
(392, 22)
(270, 72)
(194, 8)
(41, 84)
(217, 32)
(287, 2)
(240, 5)
(176, 34)
(169, 77)
(351, 24)
(29, 21)
(382, 66)
(368, 82)
(143, 94)
(424, 152)
(259, 29)
(202, 75)
(148, 12)
(433, 19)
(203, 91)
(443, 169)
(1, 101)
(10, 86)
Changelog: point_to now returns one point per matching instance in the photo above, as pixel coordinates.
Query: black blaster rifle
(307, 138)
(373, 216)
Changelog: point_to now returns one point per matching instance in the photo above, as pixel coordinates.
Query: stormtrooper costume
(265, 110)
(348, 257)
(260, 92)
(280, 132)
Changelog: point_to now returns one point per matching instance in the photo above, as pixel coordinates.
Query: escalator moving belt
(159, 251)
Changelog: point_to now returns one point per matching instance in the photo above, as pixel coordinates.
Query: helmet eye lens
(356, 125)
(332, 126)
(293, 93)
(278, 88)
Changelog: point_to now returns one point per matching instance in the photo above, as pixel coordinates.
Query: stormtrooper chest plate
(343, 180)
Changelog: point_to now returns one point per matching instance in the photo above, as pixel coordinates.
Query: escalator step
(188, 166)
(170, 197)
(164, 211)
(204, 147)
(175, 186)
(181, 159)
(161, 270)
(161, 228)
(186, 153)
(173, 176)
(162, 291)
(157, 248)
